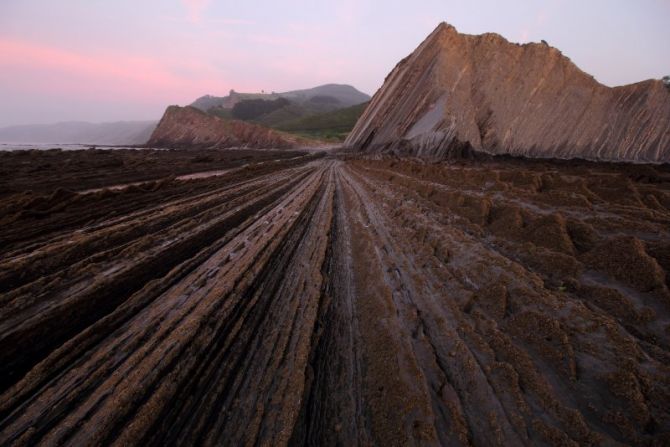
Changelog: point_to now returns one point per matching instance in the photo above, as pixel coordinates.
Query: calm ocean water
(65, 147)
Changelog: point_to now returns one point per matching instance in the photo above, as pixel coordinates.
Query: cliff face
(460, 91)
(189, 127)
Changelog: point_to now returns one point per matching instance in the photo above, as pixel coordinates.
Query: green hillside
(333, 125)
(221, 113)
(295, 110)
(313, 118)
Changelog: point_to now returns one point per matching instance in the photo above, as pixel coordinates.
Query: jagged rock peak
(460, 92)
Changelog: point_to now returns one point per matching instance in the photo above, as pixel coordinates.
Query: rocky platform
(457, 92)
(323, 301)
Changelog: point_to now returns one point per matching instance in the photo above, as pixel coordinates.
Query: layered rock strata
(310, 301)
(189, 127)
(459, 92)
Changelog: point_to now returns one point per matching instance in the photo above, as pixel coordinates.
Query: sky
(100, 60)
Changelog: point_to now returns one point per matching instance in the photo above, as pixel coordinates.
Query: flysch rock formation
(459, 92)
(183, 127)
(311, 301)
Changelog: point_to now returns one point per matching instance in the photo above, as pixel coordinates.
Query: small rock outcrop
(459, 92)
(189, 127)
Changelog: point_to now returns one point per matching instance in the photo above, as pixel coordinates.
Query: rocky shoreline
(333, 300)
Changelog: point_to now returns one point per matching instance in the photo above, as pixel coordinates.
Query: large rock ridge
(189, 127)
(458, 92)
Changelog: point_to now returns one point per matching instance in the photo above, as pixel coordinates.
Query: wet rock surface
(343, 301)
(40, 171)
(457, 93)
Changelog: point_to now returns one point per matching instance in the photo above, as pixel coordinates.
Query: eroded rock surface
(458, 92)
(316, 301)
(184, 127)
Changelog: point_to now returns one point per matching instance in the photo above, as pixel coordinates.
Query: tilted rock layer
(482, 92)
(190, 127)
(311, 301)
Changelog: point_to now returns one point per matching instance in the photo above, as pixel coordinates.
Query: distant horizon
(55, 123)
(128, 62)
(77, 121)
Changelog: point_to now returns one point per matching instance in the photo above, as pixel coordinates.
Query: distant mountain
(345, 94)
(207, 102)
(74, 132)
(337, 95)
(458, 92)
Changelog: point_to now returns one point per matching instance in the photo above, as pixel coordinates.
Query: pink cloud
(540, 19)
(523, 37)
(195, 8)
(225, 21)
(283, 41)
(212, 21)
(104, 75)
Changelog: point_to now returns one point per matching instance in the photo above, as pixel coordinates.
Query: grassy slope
(333, 125)
(221, 113)
(307, 121)
(283, 115)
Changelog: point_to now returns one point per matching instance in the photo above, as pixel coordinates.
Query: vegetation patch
(333, 125)
(254, 108)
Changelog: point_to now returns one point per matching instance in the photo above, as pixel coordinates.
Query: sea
(64, 147)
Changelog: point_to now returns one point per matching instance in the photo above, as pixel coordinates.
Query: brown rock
(459, 92)
(190, 127)
(625, 259)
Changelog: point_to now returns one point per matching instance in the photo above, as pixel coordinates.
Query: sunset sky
(95, 60)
